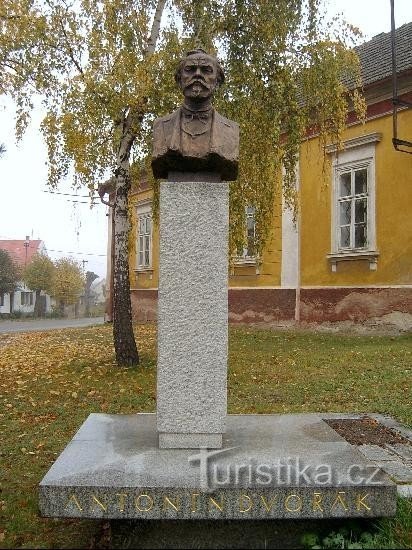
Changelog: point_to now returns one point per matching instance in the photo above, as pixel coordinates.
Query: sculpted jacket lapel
(171, 129)
(221, 135)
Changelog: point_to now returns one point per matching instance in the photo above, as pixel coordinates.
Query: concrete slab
(402, 450)
(271, 466)
(397, 471)
(376, 453)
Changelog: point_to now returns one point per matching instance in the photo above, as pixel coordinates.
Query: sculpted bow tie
(203, 116)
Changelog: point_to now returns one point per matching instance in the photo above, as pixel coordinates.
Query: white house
(98, 291)
(23, 299)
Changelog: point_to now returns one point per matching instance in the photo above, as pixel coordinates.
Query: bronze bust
(195, 137)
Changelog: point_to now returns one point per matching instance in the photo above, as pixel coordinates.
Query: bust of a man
(195, 137)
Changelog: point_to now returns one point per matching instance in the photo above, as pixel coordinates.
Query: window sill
(370, 255)
(238, 261)
(144, 270)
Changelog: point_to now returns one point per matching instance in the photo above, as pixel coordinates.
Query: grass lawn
(51, 381)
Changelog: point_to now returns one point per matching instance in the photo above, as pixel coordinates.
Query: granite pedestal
(270, 466)
(192, 312)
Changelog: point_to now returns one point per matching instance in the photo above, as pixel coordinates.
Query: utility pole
(26, 246)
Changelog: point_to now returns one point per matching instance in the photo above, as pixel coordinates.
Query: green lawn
(51, 381)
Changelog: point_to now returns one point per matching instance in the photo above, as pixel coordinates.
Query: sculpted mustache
(197, 81)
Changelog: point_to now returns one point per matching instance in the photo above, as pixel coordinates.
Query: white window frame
(245, 259)
(144, 211)
(358, 153)
(351, 168)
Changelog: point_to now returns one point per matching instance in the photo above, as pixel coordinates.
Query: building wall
(17, 302)
(393, 219)
(295, 279)
(266, 272)
(5, 308)
(149, 278)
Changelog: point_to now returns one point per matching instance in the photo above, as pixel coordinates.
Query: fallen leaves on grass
(49, 383)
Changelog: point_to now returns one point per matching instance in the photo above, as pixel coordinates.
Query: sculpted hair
(220, 74)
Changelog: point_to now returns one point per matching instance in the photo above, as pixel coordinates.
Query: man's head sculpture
(198, 75)
(195, 139)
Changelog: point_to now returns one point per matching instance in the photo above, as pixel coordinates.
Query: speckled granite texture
(270, 466)
(193, 313)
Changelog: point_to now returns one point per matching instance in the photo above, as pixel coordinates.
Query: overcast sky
(72, 228)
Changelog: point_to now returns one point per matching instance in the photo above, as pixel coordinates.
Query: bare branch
(107, 188)
(70, 50)
(9, 17)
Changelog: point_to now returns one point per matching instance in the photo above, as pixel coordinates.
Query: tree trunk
(124, 342)
(39, 305)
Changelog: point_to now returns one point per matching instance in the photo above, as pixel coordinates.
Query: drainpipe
(298, 261)
(298, 278)
(110, 268)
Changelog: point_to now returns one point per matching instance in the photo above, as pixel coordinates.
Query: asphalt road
(31, 325)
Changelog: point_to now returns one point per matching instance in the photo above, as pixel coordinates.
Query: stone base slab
(270, 466)
(190, 441)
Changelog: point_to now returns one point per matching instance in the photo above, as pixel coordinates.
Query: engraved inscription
(272, 504)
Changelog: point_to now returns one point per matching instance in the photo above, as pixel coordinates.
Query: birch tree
(289, 72)
(105, 68)
(95, 66)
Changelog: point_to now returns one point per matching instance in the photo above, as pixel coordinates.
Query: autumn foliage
(9, 273)
(38, 275)
(51, 381)
(68, 282)
(104, 70)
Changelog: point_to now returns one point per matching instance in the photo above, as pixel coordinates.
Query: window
(353, 234)
(352, 208)
(247, 256)
(144, 237)
(1, 299)
(249, 251)
(26, 298)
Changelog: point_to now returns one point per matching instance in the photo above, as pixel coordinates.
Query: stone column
(193, 312)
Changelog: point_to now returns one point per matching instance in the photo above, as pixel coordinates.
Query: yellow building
(350, 256)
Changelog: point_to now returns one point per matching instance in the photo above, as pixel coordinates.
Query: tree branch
(70, 50)
(154, 34)
(9, 17)
(106, 188)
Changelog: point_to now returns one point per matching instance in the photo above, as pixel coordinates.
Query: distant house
(98, 291)
(23, 299)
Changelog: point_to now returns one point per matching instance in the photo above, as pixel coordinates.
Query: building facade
(23, 299)
(349, 255)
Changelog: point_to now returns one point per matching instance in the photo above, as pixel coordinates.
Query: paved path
(47, 324)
